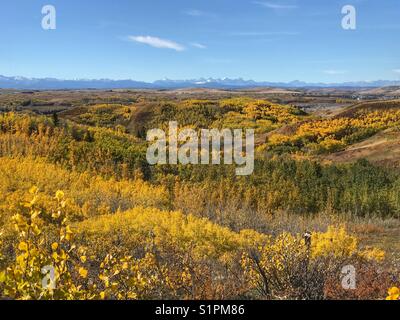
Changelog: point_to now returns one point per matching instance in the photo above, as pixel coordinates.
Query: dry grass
(382, 148)
(372, 232)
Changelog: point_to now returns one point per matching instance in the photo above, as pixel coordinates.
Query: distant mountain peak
(23, 83)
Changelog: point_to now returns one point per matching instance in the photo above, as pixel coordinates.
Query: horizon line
(21, 78)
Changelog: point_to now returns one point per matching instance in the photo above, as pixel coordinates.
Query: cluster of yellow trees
(104, 115)
(329, 135)
(89, 194)
(106, 151)
(261, 115)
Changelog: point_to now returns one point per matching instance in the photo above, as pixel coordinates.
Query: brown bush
(371, 283)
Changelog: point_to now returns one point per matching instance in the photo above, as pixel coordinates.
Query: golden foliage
(331, 135)
(336, 242)
(88, 194)
(261, 115)
(393, 294)
(154, 254)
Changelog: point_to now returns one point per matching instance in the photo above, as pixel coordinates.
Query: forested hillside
(77, 193)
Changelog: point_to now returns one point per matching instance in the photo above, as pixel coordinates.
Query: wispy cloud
(198, 13)
(194, 13)
(198, 45)
(396, 71)
(334, 72)
(270, 33)
(157, 42)
(275, 6)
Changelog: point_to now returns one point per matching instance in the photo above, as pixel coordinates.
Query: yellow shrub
(336, 242)
(332, 145)
(200, 236)
(374, 254)
(279, 139)
(393, 294)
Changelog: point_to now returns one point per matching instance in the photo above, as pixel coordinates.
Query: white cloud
(396, 70)
(275, 6)
(157, 42)
(335, 72)
(198, 45)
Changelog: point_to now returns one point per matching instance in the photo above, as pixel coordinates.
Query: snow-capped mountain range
(23, 83)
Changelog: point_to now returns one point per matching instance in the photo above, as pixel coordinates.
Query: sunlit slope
(372, 106)
(382, 148)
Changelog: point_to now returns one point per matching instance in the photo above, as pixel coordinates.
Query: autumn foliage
(84, 216)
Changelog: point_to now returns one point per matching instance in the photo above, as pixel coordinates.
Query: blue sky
(271, 40)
